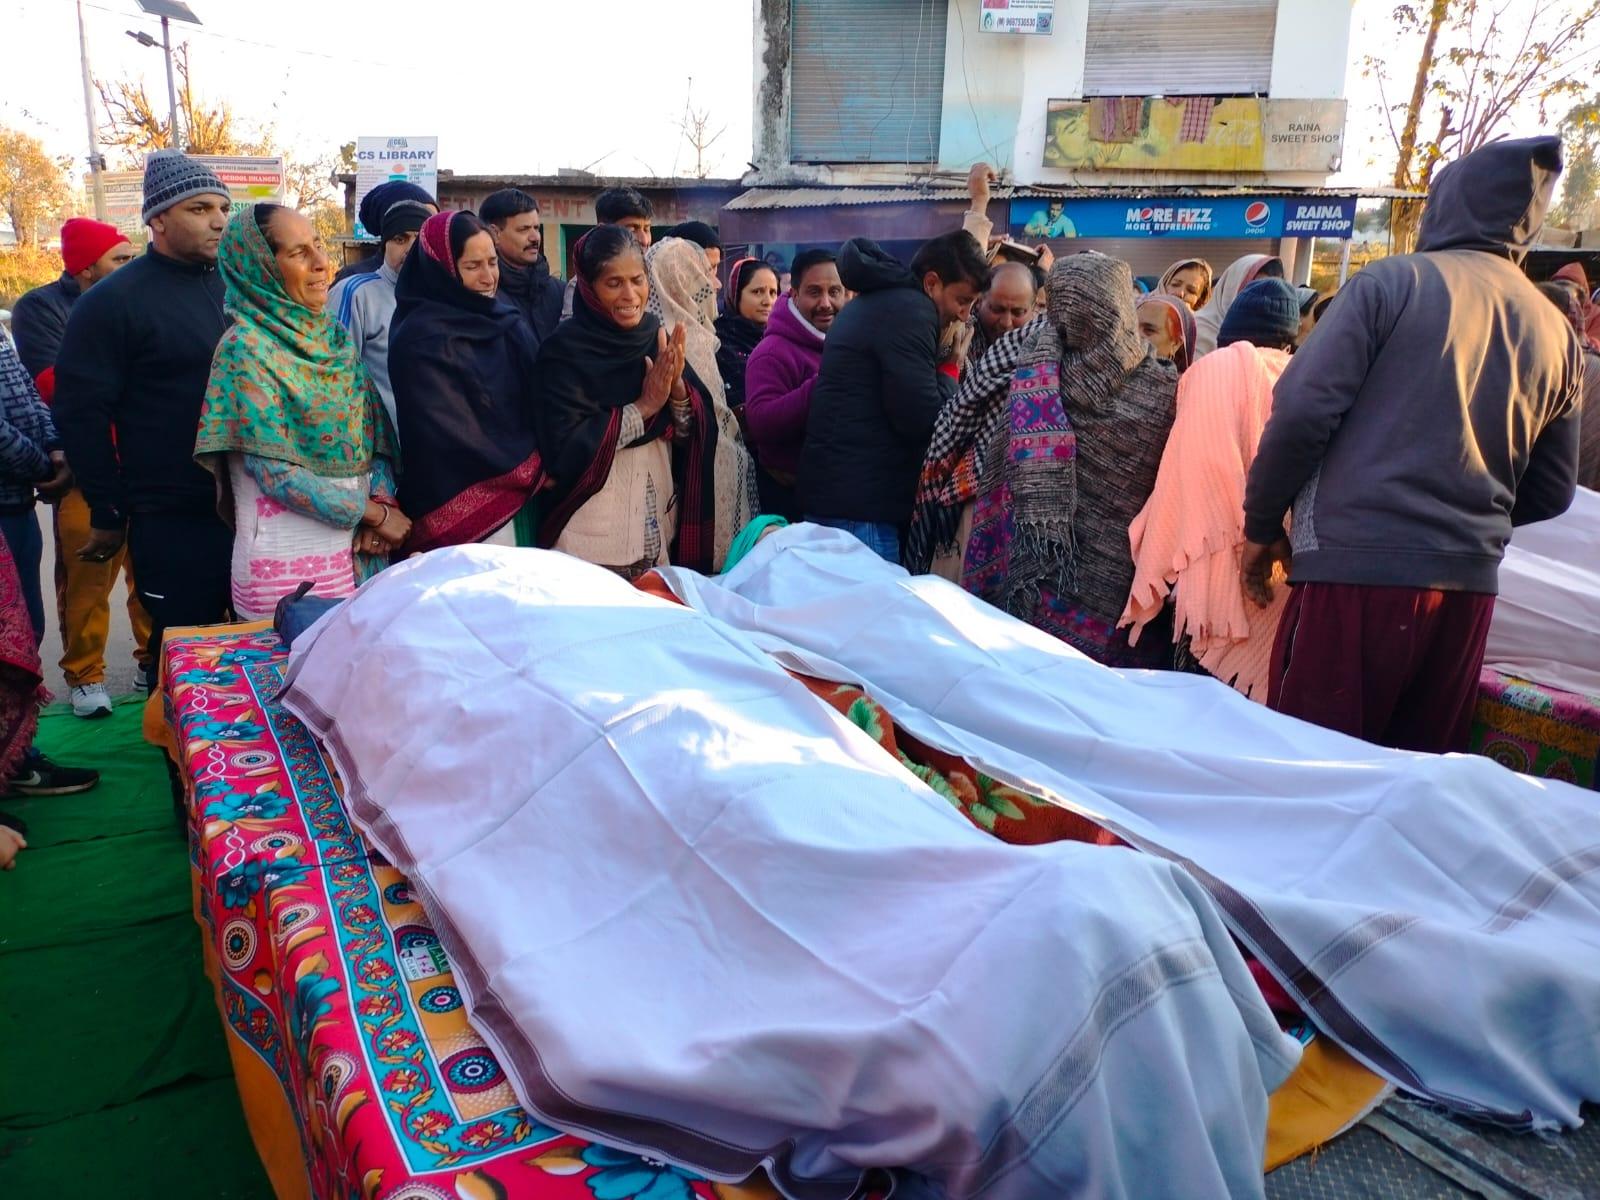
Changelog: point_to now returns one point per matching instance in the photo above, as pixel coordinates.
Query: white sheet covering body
(1546, 623)
(700, 916)
(1437, 916)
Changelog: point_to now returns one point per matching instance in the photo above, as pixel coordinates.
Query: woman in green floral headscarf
(292, 426)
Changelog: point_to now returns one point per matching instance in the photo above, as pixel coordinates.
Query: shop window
(1179, 47)
(866, 80)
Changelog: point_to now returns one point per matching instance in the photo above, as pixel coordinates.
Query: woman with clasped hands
(624, 424)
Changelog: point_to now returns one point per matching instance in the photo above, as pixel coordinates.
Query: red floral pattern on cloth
(339, 1005)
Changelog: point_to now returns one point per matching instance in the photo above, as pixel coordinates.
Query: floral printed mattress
(359, 1073)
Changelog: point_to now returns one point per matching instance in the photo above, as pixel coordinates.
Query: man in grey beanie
(134, 363)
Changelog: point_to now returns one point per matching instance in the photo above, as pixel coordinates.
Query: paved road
(119, 646)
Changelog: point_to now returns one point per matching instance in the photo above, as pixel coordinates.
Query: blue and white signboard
(1185, 217)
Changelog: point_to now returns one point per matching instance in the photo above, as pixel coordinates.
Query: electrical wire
(201, 30)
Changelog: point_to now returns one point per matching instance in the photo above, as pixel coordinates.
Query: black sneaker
(38, 776)
(144, 680)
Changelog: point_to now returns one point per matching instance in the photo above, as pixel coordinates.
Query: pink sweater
(777, 388)
(1190, 530)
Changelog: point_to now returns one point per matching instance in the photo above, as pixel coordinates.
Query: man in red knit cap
(90, 251)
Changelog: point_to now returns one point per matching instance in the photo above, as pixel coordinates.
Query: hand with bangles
(383, 528)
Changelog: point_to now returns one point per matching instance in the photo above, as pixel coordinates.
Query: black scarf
(460, 365)
(589, 370)
(533, 292)
(737, 337)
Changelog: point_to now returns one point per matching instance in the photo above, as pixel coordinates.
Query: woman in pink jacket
(781, 372)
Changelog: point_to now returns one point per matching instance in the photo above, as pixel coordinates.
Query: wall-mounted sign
(1304, 135)
(250, 179)
(1195, 133)
(1154, 133)
(1186, 217)
(380, 159)
(124, 193)
(1018, 16)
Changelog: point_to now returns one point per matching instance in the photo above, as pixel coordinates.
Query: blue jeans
(881, 537)
(22, 535)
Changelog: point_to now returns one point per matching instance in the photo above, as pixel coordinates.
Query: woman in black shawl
(746, 306)
(625, 421)
(461, 362)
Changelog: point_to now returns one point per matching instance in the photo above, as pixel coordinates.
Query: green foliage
(1579, 207)
(23, 268)
(33, 186)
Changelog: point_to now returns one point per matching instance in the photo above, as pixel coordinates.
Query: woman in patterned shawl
(1046, 453)
(292, 426)
(684, 292)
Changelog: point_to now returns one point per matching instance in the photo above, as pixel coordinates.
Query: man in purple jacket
(782, 370)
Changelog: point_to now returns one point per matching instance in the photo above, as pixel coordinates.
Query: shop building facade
(1149, 129)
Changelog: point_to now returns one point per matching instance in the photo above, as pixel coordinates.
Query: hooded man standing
(525, 279)
(1436, 408)
(890, 360)
(133, 371)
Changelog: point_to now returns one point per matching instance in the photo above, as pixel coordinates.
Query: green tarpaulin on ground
(114, 1079)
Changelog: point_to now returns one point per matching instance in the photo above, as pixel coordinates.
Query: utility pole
(168, 11)
(96, 162)
(173, 139)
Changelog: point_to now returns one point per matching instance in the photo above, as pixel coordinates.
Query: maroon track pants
(1396, 666)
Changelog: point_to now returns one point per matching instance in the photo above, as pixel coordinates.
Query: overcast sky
(509, 86)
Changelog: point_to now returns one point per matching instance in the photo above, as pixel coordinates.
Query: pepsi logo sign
(1256, 215)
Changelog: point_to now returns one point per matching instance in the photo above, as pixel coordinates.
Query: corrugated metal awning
(758, 199)
(829, 197)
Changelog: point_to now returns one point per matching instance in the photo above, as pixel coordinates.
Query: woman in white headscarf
(683, 292)
(1241, 273)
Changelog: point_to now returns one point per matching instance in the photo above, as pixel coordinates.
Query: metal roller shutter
(1179, 47)
(866, 80)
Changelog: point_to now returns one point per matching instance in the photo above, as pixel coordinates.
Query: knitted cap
(83, 242)
(1267, 313)
(403, 216)
(171, 176)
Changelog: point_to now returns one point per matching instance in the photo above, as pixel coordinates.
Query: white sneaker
(90, 701)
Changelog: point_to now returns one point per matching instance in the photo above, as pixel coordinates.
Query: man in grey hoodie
(1434, 407)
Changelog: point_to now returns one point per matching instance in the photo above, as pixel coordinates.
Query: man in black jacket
(525, 280)
(133, 370)
(891, 360)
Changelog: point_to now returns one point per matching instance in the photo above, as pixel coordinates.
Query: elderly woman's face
(622, 288)
(302, 262)
(479, 265)
(1155, 328)
(1188, 285)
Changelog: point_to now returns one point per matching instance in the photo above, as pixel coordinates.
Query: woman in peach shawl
(1186, 539)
